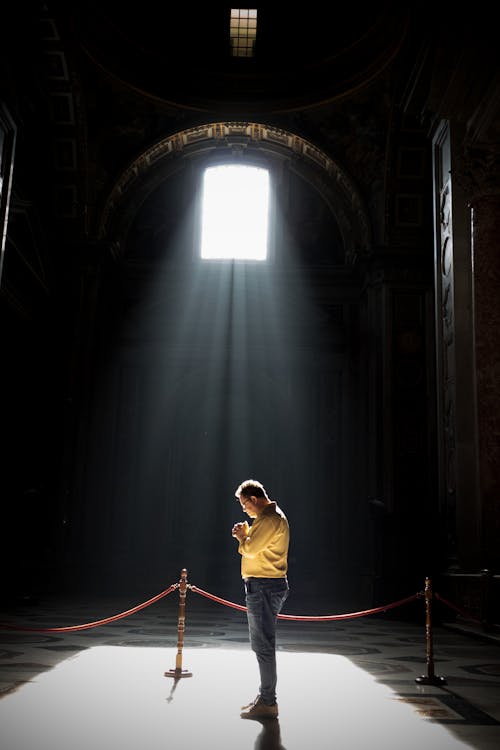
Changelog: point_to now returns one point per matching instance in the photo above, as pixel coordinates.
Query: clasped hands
(240, 530)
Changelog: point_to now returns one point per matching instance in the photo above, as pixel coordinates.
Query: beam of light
(235, 213)
(218, 372)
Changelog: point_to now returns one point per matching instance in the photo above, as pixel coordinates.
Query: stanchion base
(426, 680)
(178, 673)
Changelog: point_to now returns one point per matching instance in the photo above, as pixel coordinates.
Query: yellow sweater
(264, 550)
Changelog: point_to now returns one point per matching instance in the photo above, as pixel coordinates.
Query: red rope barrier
(96, 622)
(462, 612)
(241, 608)
(351, 615)
(217, 599)
(312, 618)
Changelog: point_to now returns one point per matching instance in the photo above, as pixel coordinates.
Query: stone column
(456, 397)
(485, 214)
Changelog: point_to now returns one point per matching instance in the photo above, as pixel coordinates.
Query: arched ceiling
(247, 142)
(304, 56)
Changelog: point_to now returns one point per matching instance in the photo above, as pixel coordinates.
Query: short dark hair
(251, 487)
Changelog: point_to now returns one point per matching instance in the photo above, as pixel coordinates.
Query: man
(263, 547)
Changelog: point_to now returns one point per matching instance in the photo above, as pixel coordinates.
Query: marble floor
(346, 684)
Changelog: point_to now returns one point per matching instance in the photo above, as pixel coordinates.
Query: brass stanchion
(430, 678)
(179, 671)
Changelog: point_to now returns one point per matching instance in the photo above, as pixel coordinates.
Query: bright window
(243, 31)
(235, 209)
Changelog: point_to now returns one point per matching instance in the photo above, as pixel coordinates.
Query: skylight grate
(243, 31)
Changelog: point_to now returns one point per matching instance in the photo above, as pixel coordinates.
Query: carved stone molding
(229, 139)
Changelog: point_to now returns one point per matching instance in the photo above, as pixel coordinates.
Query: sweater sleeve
(262, 532)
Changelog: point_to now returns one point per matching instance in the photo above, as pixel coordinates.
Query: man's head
(252, 496)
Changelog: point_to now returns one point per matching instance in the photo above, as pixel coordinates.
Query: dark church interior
(355, 371)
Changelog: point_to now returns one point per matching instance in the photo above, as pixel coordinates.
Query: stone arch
(226, 140)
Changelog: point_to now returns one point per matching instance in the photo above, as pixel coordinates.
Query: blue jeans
(264, 600)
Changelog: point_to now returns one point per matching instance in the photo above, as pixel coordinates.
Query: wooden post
(430, 678)
(179, 671)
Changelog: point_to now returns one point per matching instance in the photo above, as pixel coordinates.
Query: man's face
(249, 506)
